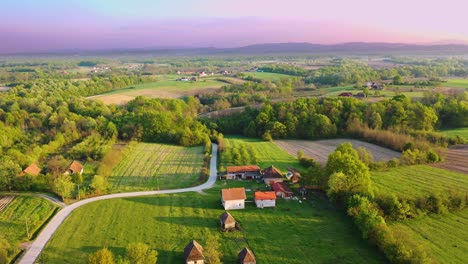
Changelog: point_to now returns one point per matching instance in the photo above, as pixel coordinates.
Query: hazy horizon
(30, 26)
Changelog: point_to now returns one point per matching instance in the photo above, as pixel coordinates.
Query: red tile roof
(265, 196)
(75, 167)
(281, 187)
(32, 169)
(247, 168)
(233, 194)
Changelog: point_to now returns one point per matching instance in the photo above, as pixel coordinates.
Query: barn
(265, 199)
(272, 175)
(248, 172)
(74, 167)
(32, 170)
(233, 198)
(282, 190)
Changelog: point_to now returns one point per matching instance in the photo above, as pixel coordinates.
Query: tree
(348, 174)
(397, 79)
(211, 250)
(99, 184)
(102, 256)
(63, 186)
(140, 253)
(8, 172)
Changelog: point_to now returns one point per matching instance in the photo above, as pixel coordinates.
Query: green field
(411, 181)
(462, 132)
(456, 83)
(444, 236)
(291, 233)
(157, 166)
(267, 153)
(268, 76)
(24, 208)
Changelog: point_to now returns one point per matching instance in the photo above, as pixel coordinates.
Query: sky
(51, 25)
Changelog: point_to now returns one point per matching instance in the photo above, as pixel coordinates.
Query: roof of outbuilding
(75, 166)
(227, 218)
(265, 196)
(246, 255)
(193, 251)
(247, 168)
(272, 173)
(281, 187)
(32, 169)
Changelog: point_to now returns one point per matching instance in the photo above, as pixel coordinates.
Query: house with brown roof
(272, 175)
(32, 170)
(227, 221)
(246, 256)
(233, 198)
(293, 175)
(265, 199)
(193, 253)
(74, 167)
(248, 172)
(282, 190)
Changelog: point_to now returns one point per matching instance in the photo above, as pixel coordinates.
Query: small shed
(272, 175)
(282, 190)
(193, 253)
(227, 221)
(74, 167)
(32, 170)
(265, 199)
(246, 256)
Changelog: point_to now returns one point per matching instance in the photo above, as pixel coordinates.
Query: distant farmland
(462, 132)
(157, 166)
(320, 149)
(160, 89)
(268, 75)
(456, 83)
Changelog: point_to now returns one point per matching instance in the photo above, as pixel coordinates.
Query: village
(276, 187)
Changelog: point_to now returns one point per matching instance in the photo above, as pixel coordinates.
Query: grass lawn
(444, 236)
(410, 181)
(268, 76)
(456, 83)
(150, 166)
(462, 132)
(308, 232)
(267, 153)
(24, 208)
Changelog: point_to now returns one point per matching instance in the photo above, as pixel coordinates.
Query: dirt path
(38, 245)
(52, 199)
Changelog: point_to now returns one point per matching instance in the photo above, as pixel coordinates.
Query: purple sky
(30, 25)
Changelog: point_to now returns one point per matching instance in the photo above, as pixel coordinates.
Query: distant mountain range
(354, 48)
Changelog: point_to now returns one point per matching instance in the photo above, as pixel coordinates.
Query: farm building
(233, 198)
(246, 256)
(74, 167)
(265, 199)
(282, 190)
(32, 170)
(227, 221)
(346, 94)
(272, 175)
(293, 175)
(248, 172)
(193, 253)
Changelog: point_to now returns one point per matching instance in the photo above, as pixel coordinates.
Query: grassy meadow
(412, 181)
(150, 166)
(268, 76)
(462, 132)
(456, 83)
(266, 153)
(444, 236)
(291, 233)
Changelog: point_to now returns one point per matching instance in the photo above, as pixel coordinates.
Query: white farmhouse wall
(234, 204)
(265, 203)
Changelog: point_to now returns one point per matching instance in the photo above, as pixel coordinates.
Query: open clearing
(320, 149)
(291, 233)
(157, 166)
(268, 76)
(160, 89)
(411, 181)
(444, 236)
(266, 153)
(462, 132)
(457, 83)
(456, 159)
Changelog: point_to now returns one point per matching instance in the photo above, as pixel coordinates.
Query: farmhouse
(227, 221)
(248, 172)
(32, 170)
(194, 253)
(246, 256)
(265, 199)
(233, 198)
(272, 175)
(74, 167)
(282, 190)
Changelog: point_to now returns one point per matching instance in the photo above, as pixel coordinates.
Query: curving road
(38, 245)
